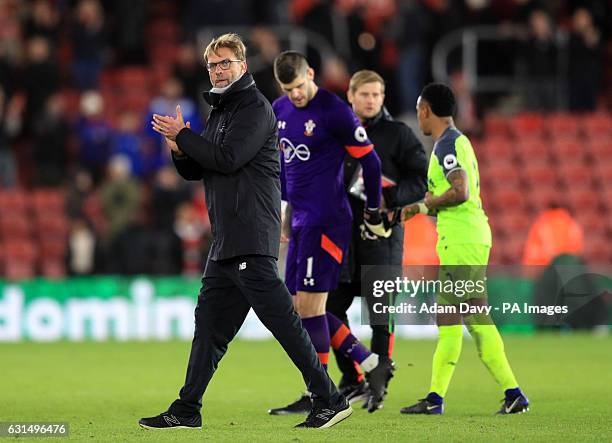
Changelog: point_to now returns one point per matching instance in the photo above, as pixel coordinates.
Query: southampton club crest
(309, 126)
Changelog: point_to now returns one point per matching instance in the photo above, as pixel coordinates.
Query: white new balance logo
(171, 420)
(326, 414)
(242, 266)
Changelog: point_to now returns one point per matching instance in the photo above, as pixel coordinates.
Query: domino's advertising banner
(110, 308)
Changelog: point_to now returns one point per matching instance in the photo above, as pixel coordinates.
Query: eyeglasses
(225, 64)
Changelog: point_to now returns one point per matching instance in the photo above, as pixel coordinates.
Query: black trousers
(229, 289)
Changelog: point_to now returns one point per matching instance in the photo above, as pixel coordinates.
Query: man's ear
(349, 96)
(245, 67)
(310, 73)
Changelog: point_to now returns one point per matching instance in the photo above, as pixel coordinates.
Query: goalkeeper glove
(376, 223)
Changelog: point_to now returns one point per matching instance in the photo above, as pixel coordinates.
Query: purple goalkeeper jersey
(314, 141)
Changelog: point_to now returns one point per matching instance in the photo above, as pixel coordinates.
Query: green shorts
(463, 271)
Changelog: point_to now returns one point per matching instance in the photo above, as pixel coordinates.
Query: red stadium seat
(13, 202)
(496, 125)
(592, 221)
(563, 125)
(581, 199)
(597, 250)
(527, 124)
(532, 149)
(16, 227)
(575, 175)
(568, 149)
(513, 222)
(495, 148)
(55, 226)
(133, 78)
(600, 150)
(543, 197)
(20, 259)
(53, 249)
(597, 125)
(512, 249)
(510, 198)
(539, 175)
(48, 201)
(603, 173)
(53, 268)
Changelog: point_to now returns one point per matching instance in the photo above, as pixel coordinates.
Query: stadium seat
(581, 199)
(48, 201)
(20, 259)
(513, 222)
(495, 149)
(568, 149)
(603, 173)
(600, 150)
(543, 197)
(15, 227)
(507, 198)
(53, 248)
(512, 249)
(527, 124)
(592, 221)
(597, 250)
(532, 149)
(55, 226)
(497, 125)
(562, 125)
(133, 78)
(53, 268)
(539, 175)
(500, 175)
(575, 174)
(597, 125)
(16, 200)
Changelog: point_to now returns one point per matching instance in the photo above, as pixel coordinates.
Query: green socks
(491, 351)
(450, 339)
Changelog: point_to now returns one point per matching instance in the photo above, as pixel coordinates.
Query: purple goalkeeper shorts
(314, 257)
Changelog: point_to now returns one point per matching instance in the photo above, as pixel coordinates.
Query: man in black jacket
(237, 158)
(404, 168)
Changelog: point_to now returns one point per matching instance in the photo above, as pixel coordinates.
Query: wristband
(423, 209)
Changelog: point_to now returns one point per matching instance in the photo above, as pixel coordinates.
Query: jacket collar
(382, 115)
(215, 99)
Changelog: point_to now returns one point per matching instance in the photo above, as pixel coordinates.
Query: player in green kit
(464, 242)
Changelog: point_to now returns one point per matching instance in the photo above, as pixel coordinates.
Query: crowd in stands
(80, 79)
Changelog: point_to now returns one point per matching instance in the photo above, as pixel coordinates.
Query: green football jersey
(467, 222)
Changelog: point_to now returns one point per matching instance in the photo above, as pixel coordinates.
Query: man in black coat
(238, 159)
(404, 169)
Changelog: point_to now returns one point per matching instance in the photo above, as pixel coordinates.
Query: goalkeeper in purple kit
(316, 131)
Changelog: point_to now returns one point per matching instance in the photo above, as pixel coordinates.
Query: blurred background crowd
(86, 187)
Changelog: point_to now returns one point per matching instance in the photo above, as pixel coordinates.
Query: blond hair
(364, 76)
(230, 41)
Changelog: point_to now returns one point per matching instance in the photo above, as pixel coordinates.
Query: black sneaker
(166, 420)
(355, 392)
(378, 380)
(322, 416)
(514, 404)
(301, 406)
(346, 385)
(433, 404)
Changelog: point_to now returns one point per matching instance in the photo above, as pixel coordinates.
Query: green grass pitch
(102, 389)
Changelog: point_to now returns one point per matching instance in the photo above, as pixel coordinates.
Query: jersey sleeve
(346, 127)
(446, 153)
